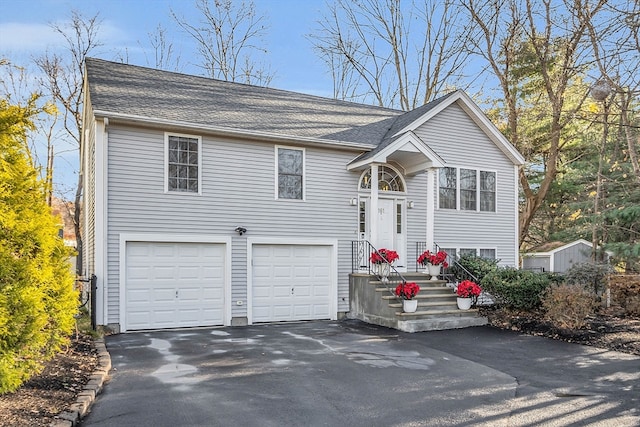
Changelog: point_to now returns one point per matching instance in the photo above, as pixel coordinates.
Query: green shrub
(37, 301)
(568, 306)
(517, 289)
(593, 277)
(475, 265)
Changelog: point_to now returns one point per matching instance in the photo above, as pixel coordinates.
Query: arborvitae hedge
(37, 300)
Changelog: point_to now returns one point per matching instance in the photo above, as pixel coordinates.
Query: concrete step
(454, 312)
(432, 296)
(419, 280)
(437, 323)
(424, 290)
(440, 306)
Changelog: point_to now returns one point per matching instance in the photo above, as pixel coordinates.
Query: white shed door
(170, 285)
(291, 282)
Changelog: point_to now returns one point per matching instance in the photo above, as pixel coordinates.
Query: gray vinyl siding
(539, 263)
(461, 143)
(577, 254)
(238, 185)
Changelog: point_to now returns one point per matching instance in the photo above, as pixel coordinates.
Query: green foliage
(37, 301)
(568, 306)
(592, 277)
(518, 289)
(475, 265)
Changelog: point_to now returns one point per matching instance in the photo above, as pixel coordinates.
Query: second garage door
(291, 282)
(171, 285)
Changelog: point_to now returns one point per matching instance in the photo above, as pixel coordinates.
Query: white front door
(386, 224)
(391, 226)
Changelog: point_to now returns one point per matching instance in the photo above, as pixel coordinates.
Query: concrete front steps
(374, 302)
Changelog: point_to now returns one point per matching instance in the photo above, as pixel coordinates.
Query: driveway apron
(353, 374)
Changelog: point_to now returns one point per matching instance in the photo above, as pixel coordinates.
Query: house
(217, 203)
(558, 257)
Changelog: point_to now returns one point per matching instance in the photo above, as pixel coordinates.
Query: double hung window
(467, 189)
(290, 173)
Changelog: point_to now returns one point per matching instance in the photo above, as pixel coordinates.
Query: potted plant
(433, 262)
(468, 293)
(407, 291)
(381, 260)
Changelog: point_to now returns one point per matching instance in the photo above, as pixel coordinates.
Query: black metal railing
(456, 272)
(361, 251)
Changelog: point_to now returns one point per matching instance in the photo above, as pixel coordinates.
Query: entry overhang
(406, 150)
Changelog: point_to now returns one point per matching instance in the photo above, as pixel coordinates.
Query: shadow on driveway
(353, 374)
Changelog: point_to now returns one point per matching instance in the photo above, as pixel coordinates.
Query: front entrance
(390, 226)
(385, 228)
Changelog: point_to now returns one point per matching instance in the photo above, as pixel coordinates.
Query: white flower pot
(409, 305)
(434, 271)
(464, 303)
(382, 270)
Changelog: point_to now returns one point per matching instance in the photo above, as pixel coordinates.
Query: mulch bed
(52, 391)
(605, 330)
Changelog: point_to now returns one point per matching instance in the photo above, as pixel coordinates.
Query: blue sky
(25, 32)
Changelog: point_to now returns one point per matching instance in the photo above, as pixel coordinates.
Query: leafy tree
(37, 301)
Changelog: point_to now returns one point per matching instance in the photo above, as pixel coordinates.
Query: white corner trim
(172, 238)
(311, 241)
(100, 233)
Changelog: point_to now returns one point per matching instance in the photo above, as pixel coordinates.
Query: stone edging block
(72, 416)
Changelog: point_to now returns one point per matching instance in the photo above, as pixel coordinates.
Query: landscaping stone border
(72, 416)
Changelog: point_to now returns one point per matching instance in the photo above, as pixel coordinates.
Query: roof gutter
(231, 132)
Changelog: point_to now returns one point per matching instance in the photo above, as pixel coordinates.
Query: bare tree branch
(383, 52)
(228, 39)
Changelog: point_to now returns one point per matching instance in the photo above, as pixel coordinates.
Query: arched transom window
(388, 180)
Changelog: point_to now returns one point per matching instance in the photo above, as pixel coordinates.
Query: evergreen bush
(517, 289)
(475, 265)
(37, 300)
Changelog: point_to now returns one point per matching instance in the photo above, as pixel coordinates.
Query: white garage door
(291, 282)
(171, 285)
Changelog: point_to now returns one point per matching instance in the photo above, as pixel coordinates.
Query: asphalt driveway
(353, 374)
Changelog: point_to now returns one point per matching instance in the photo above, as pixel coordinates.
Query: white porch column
(431, 206)
(373, 217)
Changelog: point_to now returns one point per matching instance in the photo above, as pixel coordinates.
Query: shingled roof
(128, 90)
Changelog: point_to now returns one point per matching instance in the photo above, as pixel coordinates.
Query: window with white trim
(487, 253)
(448, 186)
(290, 167)
(388, 179)
(467, 189)
(182, 163)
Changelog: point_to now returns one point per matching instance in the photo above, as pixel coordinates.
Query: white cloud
(21, 37)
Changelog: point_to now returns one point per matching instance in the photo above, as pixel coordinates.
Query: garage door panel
(171, 285)
(291, 282)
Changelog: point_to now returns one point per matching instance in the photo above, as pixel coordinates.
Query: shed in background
(558, 257)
